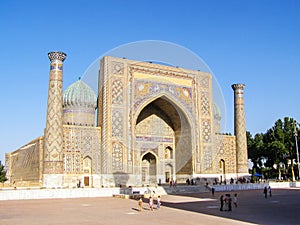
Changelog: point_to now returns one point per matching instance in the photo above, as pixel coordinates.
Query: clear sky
(252, 42)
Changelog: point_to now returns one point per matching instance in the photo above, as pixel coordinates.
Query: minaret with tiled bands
(240, 129)
(53, 142)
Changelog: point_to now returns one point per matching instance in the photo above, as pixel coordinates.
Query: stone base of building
(126, 180)
(53, 180)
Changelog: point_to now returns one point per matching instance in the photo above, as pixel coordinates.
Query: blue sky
(251, 42)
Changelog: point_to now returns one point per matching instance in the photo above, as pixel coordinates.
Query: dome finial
(79, 78)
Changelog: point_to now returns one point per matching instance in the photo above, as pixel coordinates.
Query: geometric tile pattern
(53, 167)
(117, 123)
(117, 156)
(73, 162)
(53, 141)
(90, 147)
(240, 128)
(53, 131)
(206, 130)
(207, 158)
(205, 83)
(80, 143)
(117, 68)
(226, 151)
(144, 90)
(205, 104)
(117, 92)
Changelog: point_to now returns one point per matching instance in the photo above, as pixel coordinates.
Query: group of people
(226, 202)
(173, 183)
(190, 181)
(151, 203)
(266, 190)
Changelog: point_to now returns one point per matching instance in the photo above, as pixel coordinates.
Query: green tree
(274, 150)
(2, 173)
(255, 151)
(280, 146)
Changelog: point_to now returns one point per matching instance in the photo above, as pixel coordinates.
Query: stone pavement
(202, 208)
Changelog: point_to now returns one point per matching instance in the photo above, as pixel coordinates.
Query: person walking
(270, 191)
(151, 203)
(140, 204)
(266, 192)
(235, 200)
(158, 202)
(221, 202)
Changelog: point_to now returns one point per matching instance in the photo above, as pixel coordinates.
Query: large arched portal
(162, 126)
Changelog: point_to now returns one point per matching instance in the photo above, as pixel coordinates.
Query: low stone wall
(255, 186)
(238, 187)
(57, 193)
(284, 184)
(31, 193)
(26, 193)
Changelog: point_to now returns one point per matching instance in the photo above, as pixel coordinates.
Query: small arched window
(168, 153)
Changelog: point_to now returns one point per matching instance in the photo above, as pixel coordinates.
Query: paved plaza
(253, 208)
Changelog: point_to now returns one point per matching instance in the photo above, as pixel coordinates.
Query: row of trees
(274, 153)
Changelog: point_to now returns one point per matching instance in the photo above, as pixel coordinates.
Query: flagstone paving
(202, 208)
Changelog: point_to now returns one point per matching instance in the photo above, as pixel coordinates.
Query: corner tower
(240, 129)
(53, 143)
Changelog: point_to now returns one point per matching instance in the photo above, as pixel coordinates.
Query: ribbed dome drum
(79, 103)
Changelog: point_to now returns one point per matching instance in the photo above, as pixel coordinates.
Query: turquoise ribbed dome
(79, 94)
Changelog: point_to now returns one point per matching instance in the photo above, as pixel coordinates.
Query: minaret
(240, 130)
(53, 142)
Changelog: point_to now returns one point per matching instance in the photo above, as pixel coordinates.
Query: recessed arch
(87, 170)
(168, 98)
(149, 156)
(169, 152)
(222, 170)
(149, 168)
(172, 114)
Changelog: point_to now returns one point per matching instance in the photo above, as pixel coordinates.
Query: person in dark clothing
(266, 192)
(213, 191)
(221, 202)
(270, 191)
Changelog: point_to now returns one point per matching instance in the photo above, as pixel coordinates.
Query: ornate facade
(154, 123)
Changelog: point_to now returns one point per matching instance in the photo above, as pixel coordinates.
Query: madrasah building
(147, 124)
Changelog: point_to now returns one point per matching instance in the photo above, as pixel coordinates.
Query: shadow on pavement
(281, 208)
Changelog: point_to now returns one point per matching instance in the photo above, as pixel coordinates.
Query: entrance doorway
(168, 177)
(222, 170)
(86, 181)
(87, 170)
(148, 168)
